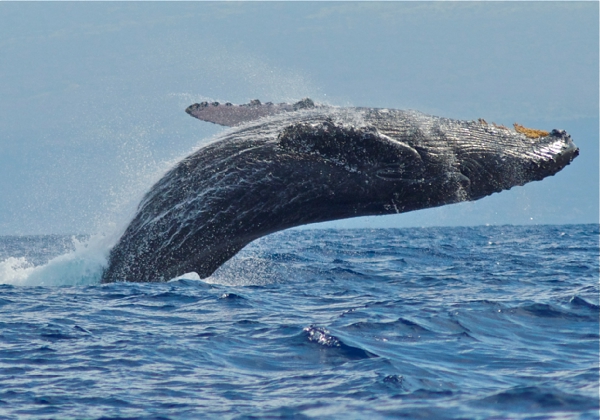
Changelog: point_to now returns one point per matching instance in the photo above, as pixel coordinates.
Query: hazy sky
(92, 95)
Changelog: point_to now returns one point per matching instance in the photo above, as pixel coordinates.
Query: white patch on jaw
(551, 149)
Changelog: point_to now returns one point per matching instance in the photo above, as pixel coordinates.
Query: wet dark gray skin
(288, 165)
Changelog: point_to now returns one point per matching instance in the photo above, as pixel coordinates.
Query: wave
(538, 399)
(330, 342)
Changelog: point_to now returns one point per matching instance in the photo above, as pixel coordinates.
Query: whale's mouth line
(400, 178)
(394, 173)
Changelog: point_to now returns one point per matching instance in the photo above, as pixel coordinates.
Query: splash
(249, 269)
(81, 266)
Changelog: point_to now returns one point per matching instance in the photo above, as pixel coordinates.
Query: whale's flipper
(231, 115)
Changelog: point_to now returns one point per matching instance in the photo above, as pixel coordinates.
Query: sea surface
(478, 322)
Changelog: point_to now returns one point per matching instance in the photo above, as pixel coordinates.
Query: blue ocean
(455, 322)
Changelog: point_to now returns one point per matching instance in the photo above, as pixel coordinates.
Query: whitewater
(477, 322)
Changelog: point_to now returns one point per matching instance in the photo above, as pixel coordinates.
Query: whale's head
(494, 159)
(413, 161)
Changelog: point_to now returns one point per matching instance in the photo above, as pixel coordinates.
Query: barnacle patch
(531, 133)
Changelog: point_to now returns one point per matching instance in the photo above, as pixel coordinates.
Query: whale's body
(289, 165)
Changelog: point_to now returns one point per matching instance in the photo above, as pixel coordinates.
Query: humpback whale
(285, 165)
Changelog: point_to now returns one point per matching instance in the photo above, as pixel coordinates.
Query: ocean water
(478, 322)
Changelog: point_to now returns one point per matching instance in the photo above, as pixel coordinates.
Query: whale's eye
(391, 173)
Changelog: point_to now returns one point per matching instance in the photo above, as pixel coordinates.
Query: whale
(289, 164)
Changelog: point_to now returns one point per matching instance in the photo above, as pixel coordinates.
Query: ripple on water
(416, 323)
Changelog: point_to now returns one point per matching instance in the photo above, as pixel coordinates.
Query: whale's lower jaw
(316, 165)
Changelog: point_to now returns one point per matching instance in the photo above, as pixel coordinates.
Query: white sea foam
(83, 265)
